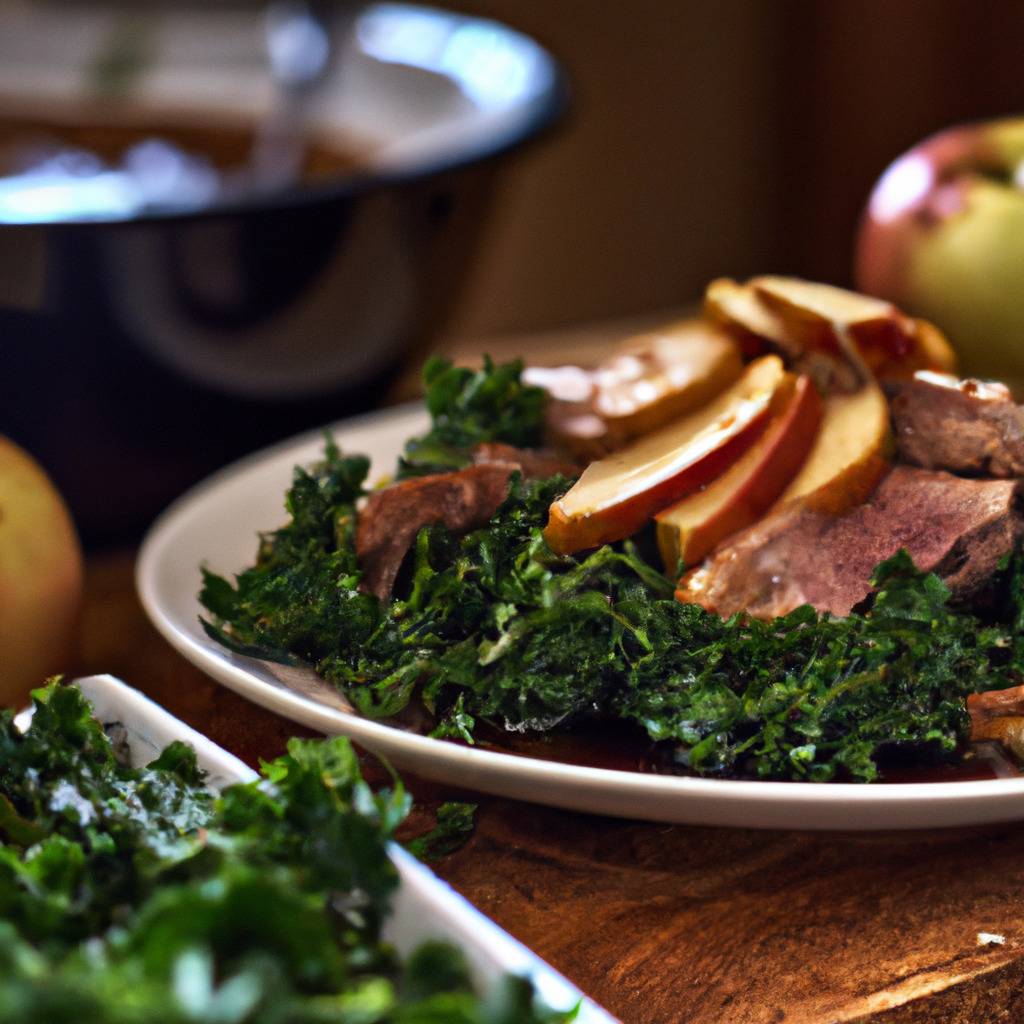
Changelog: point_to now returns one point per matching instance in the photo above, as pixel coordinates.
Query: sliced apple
(738, 309)
(650, 380)
(690, 529)
(618, 494)
(934, 350)
(655, 378)
(571, 423)
(849, 455)
(800, 318)
(825, 317)
(820, 316)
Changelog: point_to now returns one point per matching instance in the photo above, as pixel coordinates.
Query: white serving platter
(216, 524)
(424, 906)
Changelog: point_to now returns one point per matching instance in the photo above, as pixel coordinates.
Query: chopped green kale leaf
(134, 895)
(454, 827)
(468, 407)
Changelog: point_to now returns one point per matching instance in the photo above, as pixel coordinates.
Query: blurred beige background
(713, 137)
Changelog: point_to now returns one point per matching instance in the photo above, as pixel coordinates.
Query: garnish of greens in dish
(135, 895)
(781, 541)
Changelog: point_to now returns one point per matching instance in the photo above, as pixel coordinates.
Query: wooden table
(672, 924)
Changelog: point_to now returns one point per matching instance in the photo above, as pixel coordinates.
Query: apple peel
(689, 530)
(803, 318)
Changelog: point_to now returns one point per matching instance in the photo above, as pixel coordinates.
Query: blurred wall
(657, 178)
(715, 137)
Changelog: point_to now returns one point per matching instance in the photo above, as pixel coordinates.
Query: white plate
(424, 907)
(217, 522)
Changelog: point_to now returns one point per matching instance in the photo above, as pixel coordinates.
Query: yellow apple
(617, 495)
(40, 577)
(689, 530)
(943, 235)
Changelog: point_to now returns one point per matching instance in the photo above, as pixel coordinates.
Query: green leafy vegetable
(133, 895)
(469, 407)
(808, 697)
(453, 828)
(495, 627)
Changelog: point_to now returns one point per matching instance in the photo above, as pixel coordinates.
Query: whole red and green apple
(943, 237)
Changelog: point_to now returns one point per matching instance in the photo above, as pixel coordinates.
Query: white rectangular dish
(424, 906)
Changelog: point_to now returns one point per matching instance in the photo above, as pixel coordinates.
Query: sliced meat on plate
(966, 426)
(999, 715)
(463, 500)
(388, 523)
(533, 463)
(956, 527)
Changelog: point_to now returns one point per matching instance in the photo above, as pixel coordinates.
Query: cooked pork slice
(533, 463)
(388, 523)
(955, 527)
(965, 426)
(999, 715)
(996, 704)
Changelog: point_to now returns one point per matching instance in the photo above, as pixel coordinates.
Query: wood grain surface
(672, 924)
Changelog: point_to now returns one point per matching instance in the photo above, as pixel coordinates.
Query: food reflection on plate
(780, 542)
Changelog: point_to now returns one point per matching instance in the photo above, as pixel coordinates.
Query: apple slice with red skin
(619, 494)
(797, 317)
(822, 316)
(890, 343)
(845, 464)
(690, 529)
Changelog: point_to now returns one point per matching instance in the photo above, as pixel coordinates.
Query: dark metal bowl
(145, 345)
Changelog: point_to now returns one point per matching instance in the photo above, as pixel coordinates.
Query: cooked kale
(468, 407)
(494, 626)
(133, 895)
(455, 822)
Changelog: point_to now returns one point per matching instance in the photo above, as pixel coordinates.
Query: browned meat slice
(533, 463)
(968, 426)
(391, 518)
(996, 703)
(955, 527)
(999, 715)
